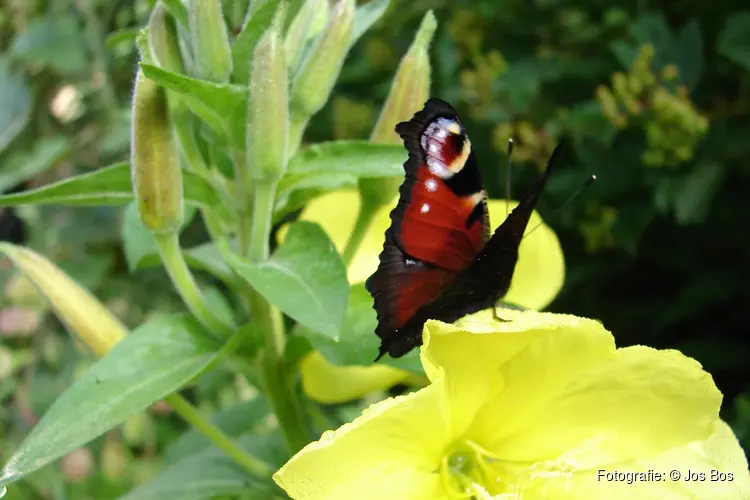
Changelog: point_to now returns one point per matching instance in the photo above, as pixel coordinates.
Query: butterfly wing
(440, 223)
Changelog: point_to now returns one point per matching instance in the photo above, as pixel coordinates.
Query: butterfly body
(439, 260)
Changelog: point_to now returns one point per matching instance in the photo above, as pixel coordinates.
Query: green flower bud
(154, 162)
(162, 40)
(213, 56)
(268, 111)
(313, 83)
(409, 91)
(298, 33)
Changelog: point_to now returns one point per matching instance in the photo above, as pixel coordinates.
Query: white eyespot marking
(431, 185)
(441, 134)
(438, 169)
(433, 148)
(425, 208)
(410, 262)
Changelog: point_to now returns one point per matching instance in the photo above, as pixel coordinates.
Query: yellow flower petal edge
(715, 468)
(540, 270)
(558, 405)
(328, 383)
(390, 451)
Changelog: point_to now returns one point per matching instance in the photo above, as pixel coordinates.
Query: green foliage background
(651, 97)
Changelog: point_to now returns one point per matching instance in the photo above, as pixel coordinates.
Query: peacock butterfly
(438, 260)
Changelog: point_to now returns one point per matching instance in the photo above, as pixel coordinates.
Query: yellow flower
(541, 406)
(539, 276)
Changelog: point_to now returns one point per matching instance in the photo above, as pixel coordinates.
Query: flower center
(469, 471)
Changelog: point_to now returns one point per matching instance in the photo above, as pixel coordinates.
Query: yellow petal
(719, 459)
(336, 213)
(636, 403)
(540, 271)
(81, 312)
(392, 450)
(480, 357)
(328, 383)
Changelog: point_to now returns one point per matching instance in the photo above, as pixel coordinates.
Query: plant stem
(275, 376)
(244, 189)
(190, 414)
(184, 283)
(297, 126)
(364, 220)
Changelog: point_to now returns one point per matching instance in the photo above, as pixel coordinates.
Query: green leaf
(687, 52)
(138, 243)
(367, 15)
(55, 41)
(695, 193)
(157, 359)
(108, 186)
(356, 158)
(305, 278)
(243, 46)
(734, 40)
(331, 165)
(23, 166)
(15, 104)
(358, 344)
(233, 421)
(222, 106)
(211, 474)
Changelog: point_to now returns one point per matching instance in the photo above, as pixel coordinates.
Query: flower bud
(154, 162)
(299, 32)
(84, 315)
(162, 40)
(409, 91)
(268, 107)
(213, 55)
(317, 76)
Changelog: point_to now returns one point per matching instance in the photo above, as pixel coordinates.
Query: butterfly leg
(498, 318)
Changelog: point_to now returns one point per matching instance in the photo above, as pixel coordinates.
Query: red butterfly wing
(440, 222)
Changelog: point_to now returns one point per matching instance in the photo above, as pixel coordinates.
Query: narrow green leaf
(366, 16)
(221, 105)
(15, 104)
(22, 166)
(107, 186)
(211, 474)
(357, 158)
(305, 278)
(242, 48)
(157, 359)
(234, 420)
(333, 165)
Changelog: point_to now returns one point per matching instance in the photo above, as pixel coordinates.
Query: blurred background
(652, 97)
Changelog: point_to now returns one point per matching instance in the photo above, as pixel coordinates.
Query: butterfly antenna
(507, 177)
(588, 182)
